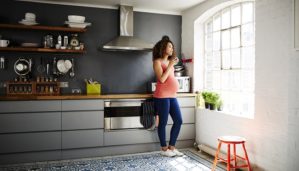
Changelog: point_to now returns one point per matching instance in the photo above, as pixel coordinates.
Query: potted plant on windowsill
(214, 100)
(211, 100)
(207, 98)
(219, 105)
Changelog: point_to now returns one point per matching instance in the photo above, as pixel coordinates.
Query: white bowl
(76, 18)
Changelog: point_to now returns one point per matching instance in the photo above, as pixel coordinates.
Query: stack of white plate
(77, 21)
(29, 19)
(28, 22)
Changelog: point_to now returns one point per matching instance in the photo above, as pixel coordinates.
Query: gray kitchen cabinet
(82, 123)
(69, 105)
(187, 132)
(26, 142)
(30, 122)
(121, 137)
(188, 115)
(82, 120)
(186, 101)
(134, 136)
(82, 139)
(30, 106)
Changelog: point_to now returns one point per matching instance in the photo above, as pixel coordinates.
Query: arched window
(229, 54)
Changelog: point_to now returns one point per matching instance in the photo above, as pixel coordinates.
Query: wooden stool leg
(228, 157)
(216, 156)
(235, 156)
(246, 156)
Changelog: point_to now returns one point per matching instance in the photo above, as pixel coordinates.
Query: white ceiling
(154, 6)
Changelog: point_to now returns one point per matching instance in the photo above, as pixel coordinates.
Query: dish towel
(147, 118)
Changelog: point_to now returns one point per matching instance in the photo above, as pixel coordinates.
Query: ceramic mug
(30, 16)
(4, 43)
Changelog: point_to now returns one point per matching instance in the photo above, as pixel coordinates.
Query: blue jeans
(163, 107)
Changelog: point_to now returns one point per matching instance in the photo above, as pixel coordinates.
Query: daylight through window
(230, 58)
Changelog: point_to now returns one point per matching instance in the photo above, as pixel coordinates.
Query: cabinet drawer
(186, 101)
(187, 115)
(25, 142)
(187, 132)
(82, 138)
(136, 136)
(28, 122)
(82, 105)
(82, 120)
(120, 137)
(30, 106)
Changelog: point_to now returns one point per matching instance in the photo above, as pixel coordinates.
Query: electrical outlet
(64, 84)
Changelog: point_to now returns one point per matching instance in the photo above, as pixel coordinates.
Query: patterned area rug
(152, 161)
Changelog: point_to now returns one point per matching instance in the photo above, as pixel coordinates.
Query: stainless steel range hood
(126, 40)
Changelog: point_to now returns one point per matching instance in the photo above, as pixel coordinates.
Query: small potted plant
(207, 98)
(219, 105)
(213, 100)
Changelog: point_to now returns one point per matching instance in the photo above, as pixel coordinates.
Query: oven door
(122, 114)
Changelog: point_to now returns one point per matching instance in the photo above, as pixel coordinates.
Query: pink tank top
(169, 88)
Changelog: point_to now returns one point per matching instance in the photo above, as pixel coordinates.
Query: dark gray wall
(118, 72)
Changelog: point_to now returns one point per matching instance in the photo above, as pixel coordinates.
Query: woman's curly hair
(160, 47)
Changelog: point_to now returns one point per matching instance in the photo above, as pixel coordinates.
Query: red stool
(231, 140)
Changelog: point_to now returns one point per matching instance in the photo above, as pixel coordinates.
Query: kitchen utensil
(48, 67)
(41, 69)
(61, 66)
(179, 73)
(2, 61)
(72, 73)
(68, 64)
(54, 66)
(22, 66)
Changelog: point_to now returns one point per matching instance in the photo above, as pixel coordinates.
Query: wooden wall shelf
(39, 27)
(47, 50)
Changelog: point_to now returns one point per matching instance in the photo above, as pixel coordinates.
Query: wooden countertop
(79, 97)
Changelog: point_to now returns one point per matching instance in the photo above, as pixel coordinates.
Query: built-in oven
(122, 114)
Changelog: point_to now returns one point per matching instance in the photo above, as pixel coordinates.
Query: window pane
(208, 80)
(235, 37)
(236, 58)
(209, 61)
(236, 15)
(225, 39)
(217, 60)
(216, 80)
(247, 12)
(225, 22)
(235, 82)
(209, 26)
(248, 57)
(225, 80)
(248, 34)
(209, 42)
(216, 41)
(247, 80)
(226, 63)
(216, 22)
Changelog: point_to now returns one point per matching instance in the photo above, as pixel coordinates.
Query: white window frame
(221, 91)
